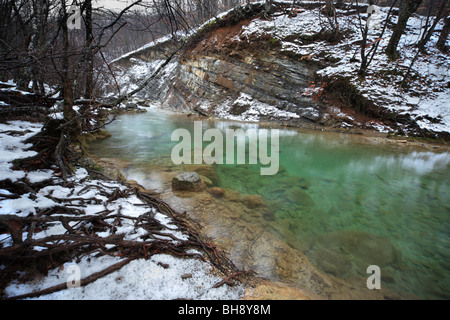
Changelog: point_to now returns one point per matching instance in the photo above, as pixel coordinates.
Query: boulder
(208, 171)
(188, 181)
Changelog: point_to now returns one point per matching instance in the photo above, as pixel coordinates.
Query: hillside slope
(290, 68)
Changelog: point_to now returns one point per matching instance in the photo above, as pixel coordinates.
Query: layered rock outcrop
(211, 84)
(213, 75)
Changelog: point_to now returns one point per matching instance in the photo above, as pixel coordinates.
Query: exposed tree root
(82, 236)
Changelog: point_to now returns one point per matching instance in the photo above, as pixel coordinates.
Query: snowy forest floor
(93, 238)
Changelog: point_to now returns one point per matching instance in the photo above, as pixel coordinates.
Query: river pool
(346, 201)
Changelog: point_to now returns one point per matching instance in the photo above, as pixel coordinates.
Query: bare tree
(329, 8)
(443, 36)
(367, 54)
(45, 45)
(89, 53)
(407, 9)
(441, 12)
(332, 23)
(39, 28)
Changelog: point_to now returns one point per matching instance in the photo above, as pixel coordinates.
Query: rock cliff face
(212, 84)
(136, 66)
(223, 77)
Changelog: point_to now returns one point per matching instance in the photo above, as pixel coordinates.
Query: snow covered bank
(139, 280)
(427, 99)
(103, 223)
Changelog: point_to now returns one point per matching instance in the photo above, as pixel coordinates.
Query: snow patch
(157, 278)
(254, 110)
(139, 280)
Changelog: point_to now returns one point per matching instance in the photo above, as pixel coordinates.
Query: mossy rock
(87, 138)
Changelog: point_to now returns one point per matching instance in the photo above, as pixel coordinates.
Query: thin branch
(83, 282)
(147, 82)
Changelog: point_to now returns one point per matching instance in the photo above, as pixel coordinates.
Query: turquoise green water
(345, 202)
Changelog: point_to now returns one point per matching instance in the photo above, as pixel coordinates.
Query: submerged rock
(188, 181)
(258, 206)
(232, 195)
(207, 181)
(365, 248)
(253, 201)
(332, 262)
(216, 192)
(267, 290)
(243, 233)
(299, 196)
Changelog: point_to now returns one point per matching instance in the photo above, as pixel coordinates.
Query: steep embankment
(224, 76)
(297, 68)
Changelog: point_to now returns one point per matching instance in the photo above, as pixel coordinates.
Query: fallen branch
(83, 282)
(147, 82)
(233, 276)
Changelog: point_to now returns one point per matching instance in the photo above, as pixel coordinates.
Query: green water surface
(346, 202)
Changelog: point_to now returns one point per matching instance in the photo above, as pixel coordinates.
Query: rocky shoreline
(366, 133)
(256, 287)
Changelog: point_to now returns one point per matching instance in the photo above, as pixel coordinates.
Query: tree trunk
(89, 54)
(444, 35)
(329, 8)
(407, 9)
(66, 78)
(267, 8)
(364, 32)
(428, 33)
(6, 11)
(39, 27)
(268, 5)
(363, 67)
(69, 126)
